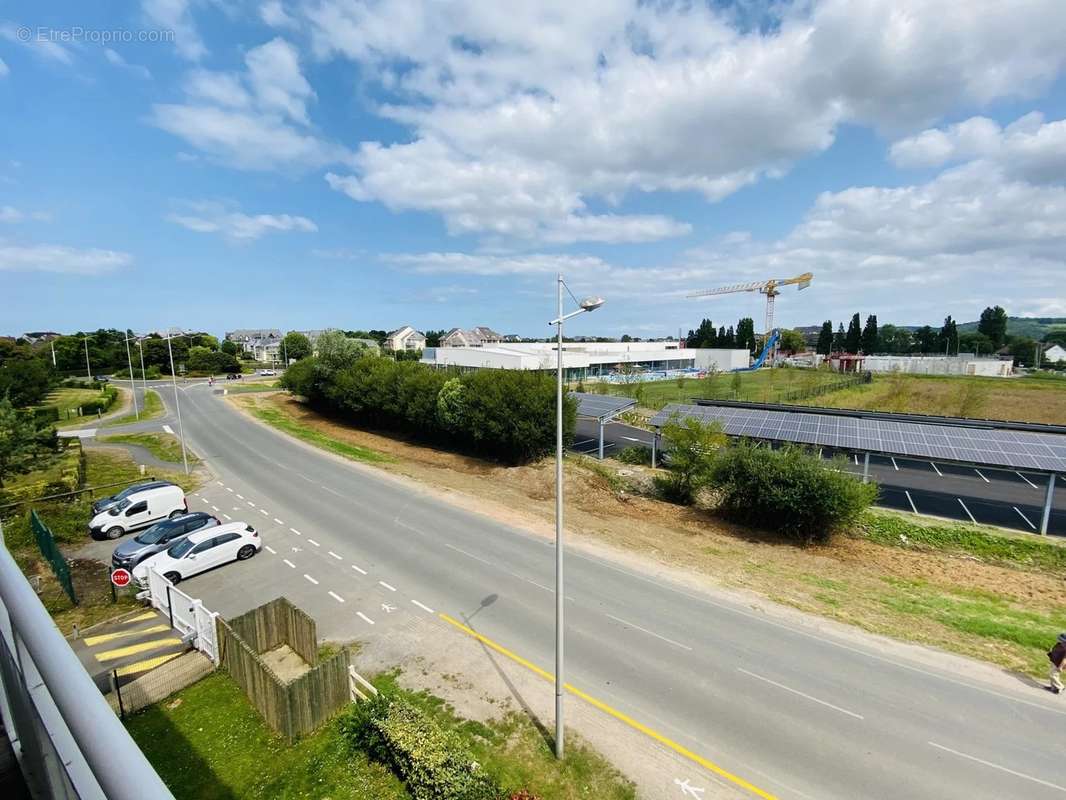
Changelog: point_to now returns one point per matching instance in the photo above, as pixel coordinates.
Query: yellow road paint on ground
(677, 748)
(144, 666)
(133, 649)
(92, 641)
(141, 617)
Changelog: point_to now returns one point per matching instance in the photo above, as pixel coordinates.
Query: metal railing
(68, 741)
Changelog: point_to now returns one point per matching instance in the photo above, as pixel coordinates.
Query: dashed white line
(264, 512)
(631, 438)
(895, 465)
(215, 508)
(199, 497)
(236, 508)
(938, 472)
(249, 502)
(312, 541)
(801, 694)
(270, 549)
(335, 556)
(278, 521)
(240, 496)
(311, 579)
(220, 483)
(964, 508)
(229, 489)
(289, 563)
(296, 531)
(360, 570)
(364, 618)
(227, 516)
(390, 588)
(469, 555)
(1020, 514)
(650, 633)
(1026, 480)
(425, 608)
(1021, 775)
(982, 477)
(336, 597)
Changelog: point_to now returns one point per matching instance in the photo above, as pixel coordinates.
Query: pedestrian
(1057, 655)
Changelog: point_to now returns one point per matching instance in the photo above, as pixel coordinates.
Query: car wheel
(114, 533)
(176, 513)
(173, 577)
(245, 552)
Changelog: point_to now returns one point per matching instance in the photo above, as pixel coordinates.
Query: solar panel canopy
(999, 448)
(601, 406)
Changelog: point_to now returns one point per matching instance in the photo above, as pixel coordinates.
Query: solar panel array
(1000, 448)
(601, 406)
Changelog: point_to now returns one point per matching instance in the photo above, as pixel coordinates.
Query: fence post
(170, 606)
(118, 693)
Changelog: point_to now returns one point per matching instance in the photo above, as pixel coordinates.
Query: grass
(163, 446)
(67, 400)
(208, 743)
(250, 388)
(282, 422)
(153, 408)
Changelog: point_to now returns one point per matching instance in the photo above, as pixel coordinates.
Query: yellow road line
(92, 641)
(133, 649)
(147, 664)
(141, 617)
(677, 748)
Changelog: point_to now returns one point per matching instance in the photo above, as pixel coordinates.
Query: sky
(221, 164)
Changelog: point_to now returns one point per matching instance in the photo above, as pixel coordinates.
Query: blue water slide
(766, 350)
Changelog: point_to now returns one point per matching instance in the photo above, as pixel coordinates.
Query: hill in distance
(1032, 327)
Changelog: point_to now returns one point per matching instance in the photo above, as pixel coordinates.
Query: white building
(405, 338)
(1054, 353)
(481, 336)
(584, 360)
(962, 364)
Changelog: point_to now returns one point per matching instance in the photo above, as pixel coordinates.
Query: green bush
(431, 761)
(689, 446)
(790, 491)
(635, 454)
(102, 403)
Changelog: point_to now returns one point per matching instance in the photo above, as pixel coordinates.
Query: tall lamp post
(133, 388)
(588, 304)
(177, 403)
(88, 367)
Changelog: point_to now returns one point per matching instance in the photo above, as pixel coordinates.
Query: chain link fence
(46, 543)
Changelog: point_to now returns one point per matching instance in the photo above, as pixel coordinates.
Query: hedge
(432, 761)
(100, 404)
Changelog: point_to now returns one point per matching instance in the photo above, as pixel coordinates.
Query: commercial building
(591, 360)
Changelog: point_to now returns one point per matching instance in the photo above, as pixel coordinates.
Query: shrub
(690, 446)
(635, 454)
(790, 491)
(101, 403)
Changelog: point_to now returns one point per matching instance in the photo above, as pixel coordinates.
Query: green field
(153, 408)
(163, 446)
(68, 401)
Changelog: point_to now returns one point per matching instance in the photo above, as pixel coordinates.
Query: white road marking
(982, 477)
(911, 501)
(228, 489)
(336, 597)
(264, 512)
(801, 694)
(335, 555)
(360, 570)
(296, 531)
(1026, 480)
(631, 438)
(240, 496)
(895, 465)
(220, 483)
(236, 508)
(997, 766)
(168, 429)
(312, 541)
(856, 459)
(390, 588)
(938, 472)
(227, 516)
(270, 549)
(311, 579)
(540, 586)
(387, 608)
(215, 508)
(964, 508)
(278, 521)
(469, 555)
(650, 633)
(1020, 514)
(199, 497)
(364, 618)
(425, 608)
(289, 563)
(249, 502)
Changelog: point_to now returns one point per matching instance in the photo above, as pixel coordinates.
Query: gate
(188, 616)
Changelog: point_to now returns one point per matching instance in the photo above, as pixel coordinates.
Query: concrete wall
(722, 360)
(939, 365)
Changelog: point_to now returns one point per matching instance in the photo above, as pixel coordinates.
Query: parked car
(102, 378)
(160, 537)
(139, 510)
(104, 503)
(267, 373)
(201, 551)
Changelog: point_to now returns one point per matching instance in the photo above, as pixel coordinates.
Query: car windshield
(180, 549)
(156, 533)
(121, 506)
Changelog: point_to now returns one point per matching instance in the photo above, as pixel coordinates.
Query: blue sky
(373, 164)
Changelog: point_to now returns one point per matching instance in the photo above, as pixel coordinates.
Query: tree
(975, 343)
(22, 440)
(993, 324)
(745, 336)
(433, 337)
(825, 338)
(925, 338)
(948, 340)
(295, 346)
(869, 336)
(1023, 349)
(704, 336)
(895, 339)
(691, 446)
(853, 338)
(24, 377)
(1056, 337)
(792, 341)
(230, 347)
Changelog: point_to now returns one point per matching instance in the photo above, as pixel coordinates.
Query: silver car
(159, 537)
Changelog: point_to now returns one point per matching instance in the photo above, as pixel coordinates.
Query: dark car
(101, 378)
(104, 503)
(159, 537)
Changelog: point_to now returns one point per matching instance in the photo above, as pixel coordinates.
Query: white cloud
(4, 70)
(558, 102)
(41, 46)
(490, 264)
(10, 214)
(176, 16)
(210, 217)
(59, 258)
(117, 60)
(276, 81)
(273, 13)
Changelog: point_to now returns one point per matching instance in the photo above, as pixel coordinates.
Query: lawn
(250, 388)
(153, 408)
(163, 446)
(68, 400)
(293, 427)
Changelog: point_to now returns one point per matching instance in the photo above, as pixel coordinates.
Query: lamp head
(591, 303)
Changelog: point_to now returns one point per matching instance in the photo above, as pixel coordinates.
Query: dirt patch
(285, 662)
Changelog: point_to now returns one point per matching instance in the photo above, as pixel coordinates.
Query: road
(798, 712)
(1004, 498)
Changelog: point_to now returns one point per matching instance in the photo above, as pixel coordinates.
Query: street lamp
(88, 368)
(133, 388)
(177, 403)
(588, 304)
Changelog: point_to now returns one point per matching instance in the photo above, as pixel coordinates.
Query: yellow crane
(770, 288)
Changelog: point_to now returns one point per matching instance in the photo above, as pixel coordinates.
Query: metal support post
(654, 440)
(559, 679)
(866, 468)
(601, 440)
(1047, 503)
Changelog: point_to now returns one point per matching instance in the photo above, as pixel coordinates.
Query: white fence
(188, 616)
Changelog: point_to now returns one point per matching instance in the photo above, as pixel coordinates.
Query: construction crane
(770, 288)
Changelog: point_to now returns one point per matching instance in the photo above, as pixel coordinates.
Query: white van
(139, 510)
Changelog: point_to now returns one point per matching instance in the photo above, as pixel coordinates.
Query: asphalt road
(797, 711)
(1005, 498)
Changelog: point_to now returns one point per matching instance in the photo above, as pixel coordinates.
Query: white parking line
(390, 588)
(289, 563)
(964, 508)
(1021, 775)
(336, 597)
(360, 570)
(801, 694)
(296, 531)
(312, 541)
(938, 472)
(911, 501)
(650, 633)
(1026, 480)
(311, 579)
(227, 516)
(1020, 514)
(425, 608)
(270, 549)
(895, 465)
(335, 555)
(364, 618)
(982, 477)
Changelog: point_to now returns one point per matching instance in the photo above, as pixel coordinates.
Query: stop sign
(121, 577)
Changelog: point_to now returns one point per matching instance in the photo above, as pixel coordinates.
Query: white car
(201, 551)
(267, 373)
(138, 509)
